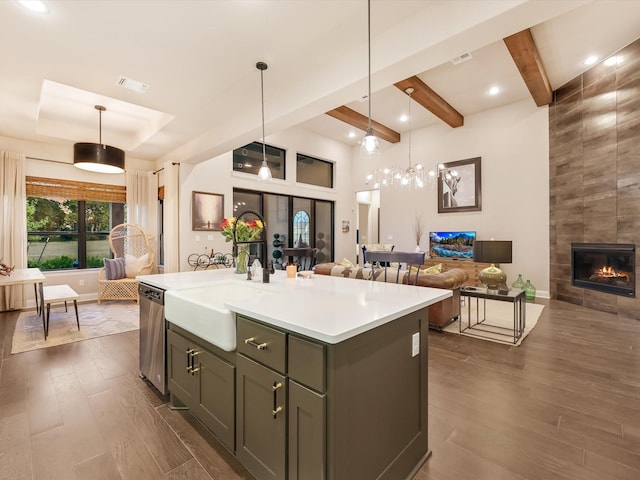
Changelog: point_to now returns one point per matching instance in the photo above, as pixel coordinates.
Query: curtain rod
(47, 160)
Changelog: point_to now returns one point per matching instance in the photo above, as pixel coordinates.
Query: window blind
(73, 190)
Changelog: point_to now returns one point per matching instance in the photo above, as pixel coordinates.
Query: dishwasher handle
(152, 293)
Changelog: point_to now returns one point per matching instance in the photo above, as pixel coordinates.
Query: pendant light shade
(97, 157)
(369, 147)
(264, 174)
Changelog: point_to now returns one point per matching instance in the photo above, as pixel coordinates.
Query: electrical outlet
(209, 237)
(389, 237)
(197, 238)
(415, 344)
(81, 283)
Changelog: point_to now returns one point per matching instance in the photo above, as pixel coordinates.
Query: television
(455, 245)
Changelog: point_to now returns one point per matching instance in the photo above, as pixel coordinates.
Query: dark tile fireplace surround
(594, 184)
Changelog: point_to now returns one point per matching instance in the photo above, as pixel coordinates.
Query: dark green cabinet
(308, 410)
(286, 373)
(307, 433)
(205, 383)
(262, 419)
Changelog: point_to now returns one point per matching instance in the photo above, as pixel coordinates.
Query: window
(301, 229)
(70, 233)
(248, 159)
(290, 219)
(314, 171)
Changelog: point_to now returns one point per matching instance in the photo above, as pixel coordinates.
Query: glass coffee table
(481, 326)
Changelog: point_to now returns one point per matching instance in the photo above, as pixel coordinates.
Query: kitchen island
(327, 380)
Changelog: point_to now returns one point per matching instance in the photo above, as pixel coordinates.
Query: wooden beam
(526, 57)
(430, 100)
(360, 121)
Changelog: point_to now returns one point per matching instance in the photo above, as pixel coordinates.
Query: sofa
(440, 314)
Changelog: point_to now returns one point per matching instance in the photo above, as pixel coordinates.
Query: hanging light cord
(369, 56)
(409, 92)
(264, 154)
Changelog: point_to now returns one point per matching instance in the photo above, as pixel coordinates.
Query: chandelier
(413, 176)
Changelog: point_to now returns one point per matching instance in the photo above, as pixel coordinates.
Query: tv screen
(451, 244)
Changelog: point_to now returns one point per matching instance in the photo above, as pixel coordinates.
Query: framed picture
(459, 187)
(207, 211)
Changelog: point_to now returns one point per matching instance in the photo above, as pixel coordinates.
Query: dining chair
(390, 263)
(305, 258)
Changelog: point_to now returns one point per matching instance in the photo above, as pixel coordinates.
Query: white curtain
(171, 217)
(142, 204)
(13, 223)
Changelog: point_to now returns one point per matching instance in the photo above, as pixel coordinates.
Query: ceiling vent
(462, 58)
(134, 85)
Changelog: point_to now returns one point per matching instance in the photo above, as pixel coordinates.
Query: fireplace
(606, 267)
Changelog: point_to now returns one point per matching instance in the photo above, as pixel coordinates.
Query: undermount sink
(202, 311)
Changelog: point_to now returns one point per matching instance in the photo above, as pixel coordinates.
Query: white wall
(216, 176)
(513, 142)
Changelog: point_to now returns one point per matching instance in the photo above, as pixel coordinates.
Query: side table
(481, 327)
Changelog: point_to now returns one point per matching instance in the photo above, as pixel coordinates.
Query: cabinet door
(181, 382)
(307, 433)
(261, 419)
(216, 396)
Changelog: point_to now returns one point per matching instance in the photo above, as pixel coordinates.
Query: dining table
(26, 276)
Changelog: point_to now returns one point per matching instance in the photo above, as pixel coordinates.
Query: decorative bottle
(519, 283)
(529, 291)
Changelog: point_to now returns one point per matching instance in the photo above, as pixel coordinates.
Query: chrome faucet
(267, 266)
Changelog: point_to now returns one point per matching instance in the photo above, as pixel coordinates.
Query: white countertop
(327, 308)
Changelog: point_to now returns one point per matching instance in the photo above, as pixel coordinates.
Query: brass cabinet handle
(252, 341)
(191, 353)
(276, 408)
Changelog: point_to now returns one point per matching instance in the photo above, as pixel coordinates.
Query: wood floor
(564, 405)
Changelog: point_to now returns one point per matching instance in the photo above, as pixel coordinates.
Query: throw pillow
(134, 264)
(345, 262)
(433, 270)
(114, 268)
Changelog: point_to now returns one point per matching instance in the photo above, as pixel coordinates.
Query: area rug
(499, 314)
(96, 320)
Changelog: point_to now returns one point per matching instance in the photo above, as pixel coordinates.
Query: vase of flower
(242, 259)
(234, 230)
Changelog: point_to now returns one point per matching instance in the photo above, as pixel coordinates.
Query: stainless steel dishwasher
(153, 335)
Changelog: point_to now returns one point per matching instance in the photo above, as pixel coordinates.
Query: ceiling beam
(360, 121)
(526, 57)
(430, 100)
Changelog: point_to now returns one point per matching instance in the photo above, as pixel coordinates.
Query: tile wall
(594, 161)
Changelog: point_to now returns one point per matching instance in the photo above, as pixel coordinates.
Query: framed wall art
(459, 186)
(207, 211)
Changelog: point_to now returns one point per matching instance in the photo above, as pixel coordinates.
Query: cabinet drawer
(306, 363)
(261, 343)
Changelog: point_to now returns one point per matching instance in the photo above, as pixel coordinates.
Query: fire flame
(609, 272)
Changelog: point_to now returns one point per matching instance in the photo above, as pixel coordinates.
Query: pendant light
(370, 147)
(97, 157)
(264, 174)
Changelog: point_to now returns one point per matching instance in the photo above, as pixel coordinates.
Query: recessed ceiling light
(352, 134)
(494, 90)
(404, 118)
(615, 60)
(34, 5)
(590, 60)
